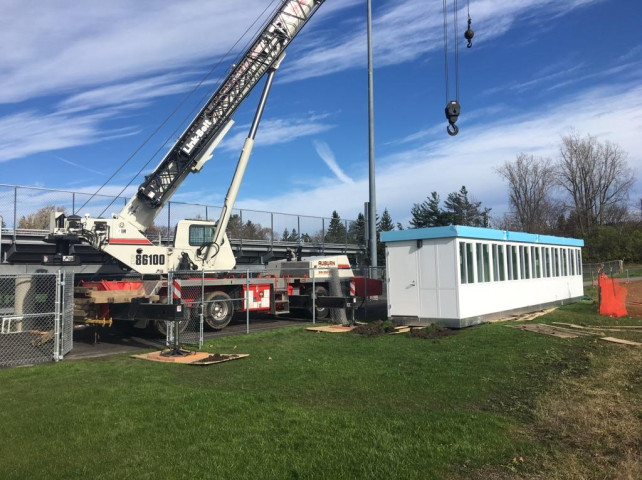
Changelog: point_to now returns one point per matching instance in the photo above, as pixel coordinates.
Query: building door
(403, 279)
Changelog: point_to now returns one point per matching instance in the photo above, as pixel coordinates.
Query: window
(564, 253)
(498, 259)
(200, 234)
(537, 263)
(521, 262)
(483, 262)
(513, 263)
(486, 258)
(527, 263)
(466, 262)
(579, 262)
(547, 261)
(556, 262)
(462, 262)
(469, 259)
(571, 261)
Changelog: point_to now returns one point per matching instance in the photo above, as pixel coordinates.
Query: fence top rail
(26, 187)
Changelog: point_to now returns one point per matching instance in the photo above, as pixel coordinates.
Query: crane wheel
(218, 309)
(160, 326)
(321, 312)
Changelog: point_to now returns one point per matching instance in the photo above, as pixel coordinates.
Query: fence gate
(36, 317)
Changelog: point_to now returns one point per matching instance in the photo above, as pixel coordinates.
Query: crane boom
(195, 145)
(197, 244)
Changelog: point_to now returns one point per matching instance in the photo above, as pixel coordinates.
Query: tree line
(583, 193)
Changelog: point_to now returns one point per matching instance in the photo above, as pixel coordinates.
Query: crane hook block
(452, 114)
(469, 34)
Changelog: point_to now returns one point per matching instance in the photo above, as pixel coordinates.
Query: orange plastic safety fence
(612, 297)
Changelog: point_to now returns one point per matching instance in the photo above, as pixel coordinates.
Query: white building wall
(459, 278)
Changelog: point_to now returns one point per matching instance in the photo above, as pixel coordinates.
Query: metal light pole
(372, 210)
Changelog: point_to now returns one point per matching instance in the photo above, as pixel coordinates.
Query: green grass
(303, 405)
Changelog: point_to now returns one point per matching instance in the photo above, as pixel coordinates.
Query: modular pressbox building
(460, 276)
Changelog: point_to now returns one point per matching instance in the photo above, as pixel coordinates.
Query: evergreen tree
(428, 213)
(460, 210)
(234, 227)
(336, 232)
(285, 236)
(383, 225)
(357, 230)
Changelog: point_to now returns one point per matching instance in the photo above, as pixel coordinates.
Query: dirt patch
(431, 331)
(633, 298)
(374, 329)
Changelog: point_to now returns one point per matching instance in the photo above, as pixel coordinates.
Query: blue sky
(82, 88)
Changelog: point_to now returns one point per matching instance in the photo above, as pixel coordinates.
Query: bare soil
(374, 329)
(432, 331)
(634, 298)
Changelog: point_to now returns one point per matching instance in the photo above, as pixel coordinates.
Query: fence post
(169, 337)
(202, 314)
(15, 212)
(271, 231)
(247, 301)
(314, 295)
(57, 316)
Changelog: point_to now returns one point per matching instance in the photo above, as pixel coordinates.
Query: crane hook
(452, 114)
(469, 34)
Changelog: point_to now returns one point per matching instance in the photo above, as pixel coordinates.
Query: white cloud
(66, 47)
(404, 31)
(277, 131)
(612, 113)
(26, 133)
(129, 94)
(327, 155)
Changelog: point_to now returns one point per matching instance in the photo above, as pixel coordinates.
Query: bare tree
(40, 219)
(597, 178)
(531, 181)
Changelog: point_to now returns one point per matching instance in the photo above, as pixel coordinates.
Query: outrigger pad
(192, 358)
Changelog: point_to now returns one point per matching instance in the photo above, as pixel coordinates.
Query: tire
(321, 312)
(160, 326)
(219, 309)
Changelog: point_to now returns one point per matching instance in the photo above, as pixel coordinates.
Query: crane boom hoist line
(453, 108)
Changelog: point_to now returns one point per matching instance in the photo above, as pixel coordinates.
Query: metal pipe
(371, 146)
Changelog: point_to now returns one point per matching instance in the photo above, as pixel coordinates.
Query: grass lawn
(488, 402)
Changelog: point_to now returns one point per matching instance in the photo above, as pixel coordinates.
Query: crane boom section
(185, 155)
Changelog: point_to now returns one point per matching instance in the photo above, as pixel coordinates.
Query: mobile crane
(198, 245)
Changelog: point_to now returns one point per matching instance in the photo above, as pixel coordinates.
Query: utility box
(460, 276)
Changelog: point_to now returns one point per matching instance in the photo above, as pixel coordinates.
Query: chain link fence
(27, 209)
(36, 318)
(591, 271)
(246, 300)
